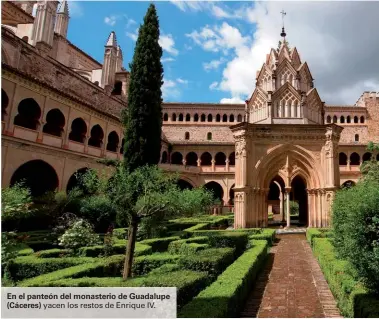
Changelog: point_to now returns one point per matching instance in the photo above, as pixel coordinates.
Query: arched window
(196, 118)
(55, 122)
(191, 159)
(232, 159)
(356, 119)
(348, 184)
(334, 119)
(231, 118)
(366, 157)
(117, 90)
(210, 118)
(218, 118)
(216, 190)
(342, 159)
(220, 159)
(28, 115)
(328, 119)
(187, 136)
(342, 119)
(164, 157)
(225, 118)
(239, 118)
(206, 159)
(354, 159)
(188, 117)
(113, 141)
(173, 117)
(122, 146)
(165, 117)
(362, 119)
(4, 103)
(202, 118)
(78, 130)
(180, 117)
(97, 135)
(348, 119)
(177, 158)
(209, 136)
(356, 137)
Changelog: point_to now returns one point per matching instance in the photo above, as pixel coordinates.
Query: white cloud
(214, 64)
(190, 5)
(75, 9)
(213, 85)
(133, 35)
(341, 54)
(168, 44)
(218, 38)
(181, 81)
(111, 20)
(170, 90)
(233, 100)
(169, 59)
(130, 22)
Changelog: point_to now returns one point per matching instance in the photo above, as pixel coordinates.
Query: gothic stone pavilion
(61, 115)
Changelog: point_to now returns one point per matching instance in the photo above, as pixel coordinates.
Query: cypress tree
(143, 118)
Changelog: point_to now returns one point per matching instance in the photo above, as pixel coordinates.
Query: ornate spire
(112, 41)
(283, 34)
(63, 7)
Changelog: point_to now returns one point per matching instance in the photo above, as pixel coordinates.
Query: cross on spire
(283, 34)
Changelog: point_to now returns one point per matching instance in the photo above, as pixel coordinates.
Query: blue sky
(212, 50)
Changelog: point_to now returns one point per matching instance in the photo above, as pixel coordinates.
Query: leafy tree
(355, 222)
(16, 202)
(143, 118)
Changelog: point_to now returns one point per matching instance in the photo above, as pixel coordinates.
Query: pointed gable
(284, 53)
(295, 57)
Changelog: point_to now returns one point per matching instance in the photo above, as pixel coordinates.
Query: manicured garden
(202, 262)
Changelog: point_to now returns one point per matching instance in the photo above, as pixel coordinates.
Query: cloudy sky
(212, 50)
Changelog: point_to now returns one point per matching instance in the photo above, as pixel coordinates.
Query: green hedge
(213, 260)
(188, 246)
(51, 253)
(144, 264)
(313, 233)
(100, 267)
(353, 299)
(30, 266)
(226, 296)
(266, 234)
(249, 231)
(118, 249)
(159, 244)
(237, 240)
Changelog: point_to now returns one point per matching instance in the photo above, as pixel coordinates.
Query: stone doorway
(299, 197)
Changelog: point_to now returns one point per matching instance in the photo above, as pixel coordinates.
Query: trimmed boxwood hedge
(237, 240)
(226, 296)
(353, 299)
(31, 266)
(188, 246)
(317, 233)
(213, 260)
(118, 249)
(159, 244)
(266, 234)
(51, 253)
(144, 264)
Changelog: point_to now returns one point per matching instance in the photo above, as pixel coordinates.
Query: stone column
(227, 165)
(281, 198)
(288, 190)
(213, 165)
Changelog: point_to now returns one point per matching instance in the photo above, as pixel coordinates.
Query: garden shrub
(313, 233)
(159, 244)
(118, 248)
(78, 235)
(353, 299)
(225, 297)
(238, 240)
(213, 260)
(355, 222)
(185, 246)
(266, 234)
(144, 264)
(165, 269)
(249, 231)
(30, 266)
(51, 253)
(120, 233)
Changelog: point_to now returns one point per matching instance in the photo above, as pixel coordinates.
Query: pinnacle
(63, 7)
(112, 41)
